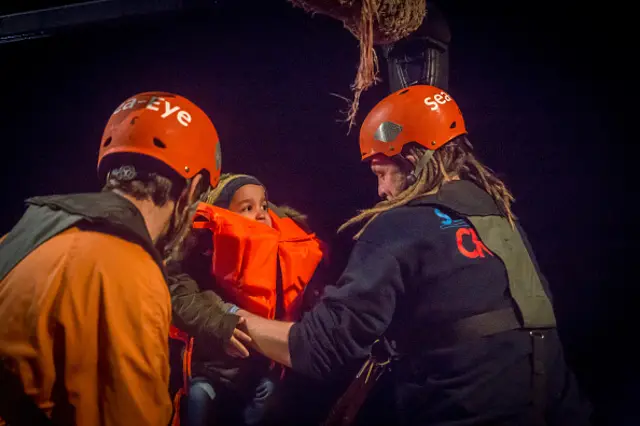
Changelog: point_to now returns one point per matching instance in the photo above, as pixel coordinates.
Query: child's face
(250, 201)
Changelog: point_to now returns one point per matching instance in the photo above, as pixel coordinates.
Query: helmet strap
(420, 165)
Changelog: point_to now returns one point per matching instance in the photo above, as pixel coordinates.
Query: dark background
(544, 91)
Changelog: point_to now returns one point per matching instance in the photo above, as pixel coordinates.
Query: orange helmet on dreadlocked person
(418, 114)
(166, 127)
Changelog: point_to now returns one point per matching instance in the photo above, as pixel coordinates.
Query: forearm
(209, 326)
(271, 338)
(245, 314)
(202, 314)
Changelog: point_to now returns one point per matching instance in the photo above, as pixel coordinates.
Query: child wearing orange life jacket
(257, 257)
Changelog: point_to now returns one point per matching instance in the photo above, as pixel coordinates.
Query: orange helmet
(422, 114)
(166, 127)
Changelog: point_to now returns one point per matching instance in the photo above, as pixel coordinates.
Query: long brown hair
(455, 158)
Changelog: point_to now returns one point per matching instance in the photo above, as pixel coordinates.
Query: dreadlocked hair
(454, 159)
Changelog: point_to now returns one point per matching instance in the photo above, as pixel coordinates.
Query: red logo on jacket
(470, 245)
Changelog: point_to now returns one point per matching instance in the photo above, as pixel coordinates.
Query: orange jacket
(246, 256)
(102, 302)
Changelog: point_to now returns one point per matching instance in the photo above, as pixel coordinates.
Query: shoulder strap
(38, 225)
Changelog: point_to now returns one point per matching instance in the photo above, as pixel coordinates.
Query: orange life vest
(246, 254)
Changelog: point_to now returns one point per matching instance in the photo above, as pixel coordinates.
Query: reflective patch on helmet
(387, 131)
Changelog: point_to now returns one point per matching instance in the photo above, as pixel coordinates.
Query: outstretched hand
(269, 337)
(235, 347)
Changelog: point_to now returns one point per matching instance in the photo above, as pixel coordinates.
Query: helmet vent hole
(157, 142)
(107, 142)
(453, 125)
(403, 92)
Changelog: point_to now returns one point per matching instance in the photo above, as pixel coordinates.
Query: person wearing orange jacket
(84, 304)
(442, 295)
(257, 257)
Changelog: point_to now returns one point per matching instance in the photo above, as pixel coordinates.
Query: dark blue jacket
(415, 269)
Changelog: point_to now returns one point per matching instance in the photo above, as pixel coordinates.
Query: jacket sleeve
(201, 314)
(351, 315)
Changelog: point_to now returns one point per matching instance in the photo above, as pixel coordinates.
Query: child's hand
(236, 345)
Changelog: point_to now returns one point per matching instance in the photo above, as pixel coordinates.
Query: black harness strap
(490, 323)
(470, 328)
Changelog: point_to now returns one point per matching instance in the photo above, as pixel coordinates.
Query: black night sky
(544, 92)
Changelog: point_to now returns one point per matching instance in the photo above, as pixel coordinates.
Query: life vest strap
(177, 334)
